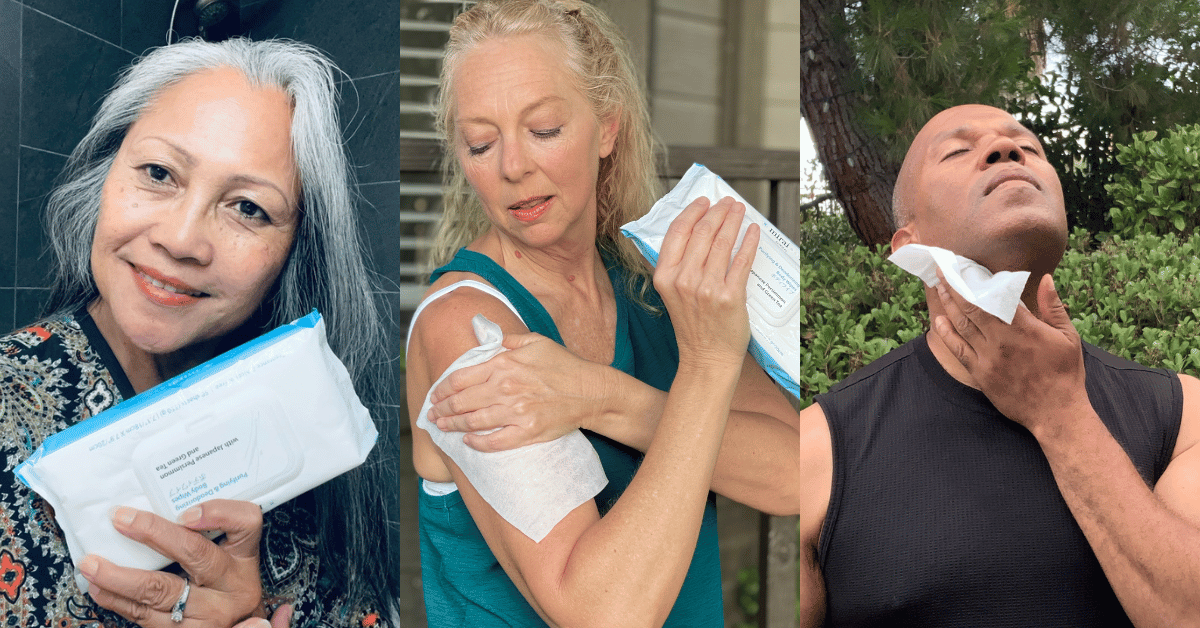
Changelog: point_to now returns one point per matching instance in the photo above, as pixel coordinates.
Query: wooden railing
(775, 174)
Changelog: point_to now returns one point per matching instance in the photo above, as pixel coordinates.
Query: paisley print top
(55, 374)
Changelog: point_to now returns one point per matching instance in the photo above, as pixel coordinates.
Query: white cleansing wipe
(773, 291)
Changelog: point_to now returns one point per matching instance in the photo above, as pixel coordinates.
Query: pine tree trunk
(859, 172)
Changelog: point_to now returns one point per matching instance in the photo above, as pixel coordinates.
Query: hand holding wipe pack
(773, 291)
(263, 422)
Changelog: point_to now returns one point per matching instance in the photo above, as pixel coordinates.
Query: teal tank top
(464, 584)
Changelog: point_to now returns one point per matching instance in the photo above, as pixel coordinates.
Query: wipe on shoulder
(773, 291)
(263, 422)
(532, 487)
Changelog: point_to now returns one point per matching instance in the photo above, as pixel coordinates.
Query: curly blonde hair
(598, 56)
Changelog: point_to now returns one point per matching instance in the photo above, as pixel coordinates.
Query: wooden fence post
(777, 571)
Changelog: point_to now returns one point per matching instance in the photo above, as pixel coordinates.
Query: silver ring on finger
(181, 603)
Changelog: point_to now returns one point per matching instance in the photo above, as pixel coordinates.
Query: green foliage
(1127, 67)
(917, 58)
(1121, 68)
(747, 595)
(1159, 188)
(855, 306)
(1138, 298)
(822, 233)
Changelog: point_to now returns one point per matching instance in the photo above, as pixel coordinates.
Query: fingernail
(189, 516)
(124, 515)
(258, 622)
(88, 566)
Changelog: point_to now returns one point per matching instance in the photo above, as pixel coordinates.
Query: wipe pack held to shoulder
(773, 291)
(263, 422)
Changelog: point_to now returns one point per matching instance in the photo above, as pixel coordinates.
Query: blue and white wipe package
(263, 422)
(773, 291)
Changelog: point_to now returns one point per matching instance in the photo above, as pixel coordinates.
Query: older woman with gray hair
(209, 202)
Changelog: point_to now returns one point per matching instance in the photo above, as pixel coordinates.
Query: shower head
(211, 12)
(218, 19)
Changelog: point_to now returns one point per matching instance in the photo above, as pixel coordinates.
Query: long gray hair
(324, 270)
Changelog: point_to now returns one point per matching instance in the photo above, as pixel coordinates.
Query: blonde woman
(548, 151)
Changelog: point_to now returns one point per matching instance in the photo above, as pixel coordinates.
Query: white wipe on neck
(263, 422)
(531, 487)
(997, 294)
(773, 290)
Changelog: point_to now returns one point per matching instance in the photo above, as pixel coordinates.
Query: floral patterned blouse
(53, 375)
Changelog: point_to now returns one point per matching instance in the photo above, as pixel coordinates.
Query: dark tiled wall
(10, 134)
(57, 58)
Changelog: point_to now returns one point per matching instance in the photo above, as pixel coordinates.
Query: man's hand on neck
(1032, 370)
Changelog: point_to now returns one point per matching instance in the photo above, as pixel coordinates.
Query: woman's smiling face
(197, 214)
(528, 141)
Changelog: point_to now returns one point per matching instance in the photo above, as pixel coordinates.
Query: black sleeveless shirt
(945, 513)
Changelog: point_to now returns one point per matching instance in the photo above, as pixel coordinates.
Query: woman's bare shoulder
(443, 330)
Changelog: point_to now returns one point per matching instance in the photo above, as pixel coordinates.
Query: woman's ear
(609, 127)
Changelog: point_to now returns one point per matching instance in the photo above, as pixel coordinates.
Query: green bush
(1138, 298)
(855, 306)
(1158, 189)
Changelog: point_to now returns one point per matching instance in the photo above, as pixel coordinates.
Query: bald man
(987, 474)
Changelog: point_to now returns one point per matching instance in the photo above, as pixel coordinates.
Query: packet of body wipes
(263, 422)
(773, 291)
